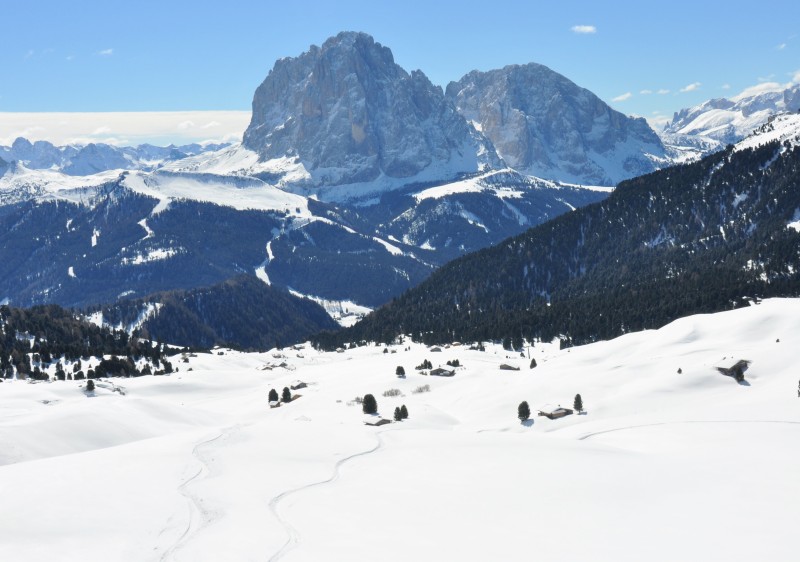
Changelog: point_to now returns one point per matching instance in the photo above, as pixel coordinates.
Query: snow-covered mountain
(79, 240)
(94, 158)
(543, 124)
(730, 120)
(346, 113)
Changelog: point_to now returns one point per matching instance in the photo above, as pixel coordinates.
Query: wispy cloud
(726, 86)
(583, 29)
(768, 78)
(760, 88)
(29, 54)
(781, 47)
(691, 87)
(645, 92)
(70, 57)
(106, 52)
(662, 92)
(622, 97)
(155, 127)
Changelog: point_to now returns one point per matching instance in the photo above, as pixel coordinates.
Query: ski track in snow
(198, 515)
(589, 435)
(293, 535)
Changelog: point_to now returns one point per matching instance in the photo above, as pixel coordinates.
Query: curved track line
(197, 514)
(293, 535)
(588, 435)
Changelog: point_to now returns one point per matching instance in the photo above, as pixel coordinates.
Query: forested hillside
(695, 238)
(242, 312)
(52, 339)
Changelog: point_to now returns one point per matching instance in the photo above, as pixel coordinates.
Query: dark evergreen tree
(533, 363)
(90, 386)
(400, 371)
(369, 405)
(286, 395)
(273, 395)
(398, 415)
(404, 412)
(578, 404)
(523, 411)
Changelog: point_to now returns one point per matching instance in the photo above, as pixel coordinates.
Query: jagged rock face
(350, 114)
(542, 123)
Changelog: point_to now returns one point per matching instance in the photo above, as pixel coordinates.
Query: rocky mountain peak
(544, 124)
(349, 114)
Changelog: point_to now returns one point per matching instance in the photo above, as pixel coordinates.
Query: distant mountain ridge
(730, 120)
(94, 158)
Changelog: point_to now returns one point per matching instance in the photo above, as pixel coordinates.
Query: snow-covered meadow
(663, 465)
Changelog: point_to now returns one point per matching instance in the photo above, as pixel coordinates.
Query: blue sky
(87, 56)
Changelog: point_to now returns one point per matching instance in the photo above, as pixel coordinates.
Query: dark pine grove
(40, 336)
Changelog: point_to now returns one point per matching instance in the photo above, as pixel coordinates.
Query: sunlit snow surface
(664, 465)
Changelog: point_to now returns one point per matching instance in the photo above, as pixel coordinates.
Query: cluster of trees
(286, 395)
(694, 238)
(400, 413)
(34, 338)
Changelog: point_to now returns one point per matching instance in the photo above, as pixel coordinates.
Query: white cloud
(726, 86)
(658, 122)
(761, 88)
(691, 87)
(646, 92)
(781, 47)
(130, 128)
(70, 57)
(796, 78)
(662, 92)
(106, 52)
(583, 29)
(622, 97)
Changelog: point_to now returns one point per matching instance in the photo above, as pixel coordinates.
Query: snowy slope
(22, 184)
(784, 128)
(240, 193)
(730, 120)
(672, 461)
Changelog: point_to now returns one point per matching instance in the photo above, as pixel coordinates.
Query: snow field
(663, 466)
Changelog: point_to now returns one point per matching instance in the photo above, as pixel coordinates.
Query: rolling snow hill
(670, 461)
